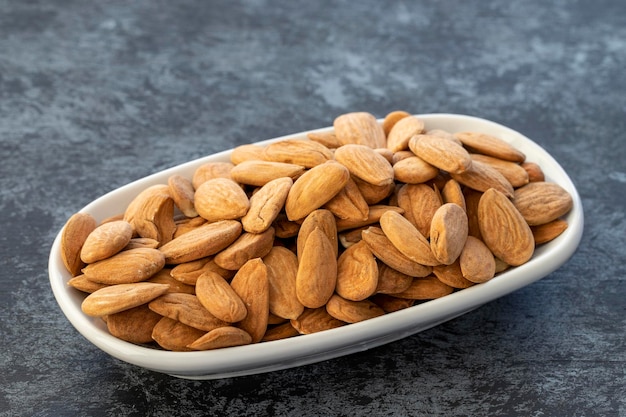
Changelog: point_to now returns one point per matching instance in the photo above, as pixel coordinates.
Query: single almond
(534, 171)
(151, 214)
(453, 193)
(326, 138)
(374, 215)
(391, 281)
(106, 240)
(188, 272)
(315, 188)
(448, 233)
(281, 331)
(126, 267)
(221, 199)
(317, 270)
(217, 296)
(503, 228)
(360, 128)
(390, 303)
(259, 173)
(211, 170)
(546, 232)
(414, 170)
(252, 285)
(221, 337)
(373, 194)
(512, 171)
(142, 242)
(476, 261)
(365, 163)
(75, 232)
(116, 298)
(247, 152)
(134, 325)
(201, 242)
(266, 204)
(452, 275)
(427, 288)
(357, 273)
(542, 202)
(305, 153)
(175, 336)
(351, 311)
(349, 203)
(490, 145)
(441, 153)
(247, 246)
(282, 270)
(84, 284)
(482, 177)
(407, 239)
(314, 320)
(402, 131)
(182, 192)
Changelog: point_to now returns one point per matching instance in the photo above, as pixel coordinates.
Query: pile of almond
(306, 235)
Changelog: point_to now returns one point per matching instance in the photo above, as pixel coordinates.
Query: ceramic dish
(301, 350)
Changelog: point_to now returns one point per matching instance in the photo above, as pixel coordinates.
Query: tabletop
(96, 95)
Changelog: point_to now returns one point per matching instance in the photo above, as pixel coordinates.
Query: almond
(221, 199)
(325, 221)
(448, 232)
(391, 281)
(175, 336)
(259, 173)
(151, 214)
(512, 171)
(427, 288)
(476, 261)
(126, 267)
(357, 273)
(116, 298)
(407, 239)
(314, 320)
(188, 272)
(209, 171)
(317, 270)
(453, 193)
(164, 277)
(482, 177)
(373, 194)
(360, 128)
(305, 153)
(534, 171)
(326, 138)
(350, 311)
(441, 153)
(201, 242)
(365, 163)
(282, 269)
(390, 303)
(252, 285)
(349, 203)
(266, 204)
(247, 246)
(452, 275)
(247, 152)
(315, 188)
(134, 325)
(106, 240)
(217, 296)
(82, 283)
(490, 145)
(542, 202)
(221, 337)
(546, 232)
(503, 229)
(75, 233)
(402, 131)
(414, 170)
(182, 191)
(282, 331)
(375, 212)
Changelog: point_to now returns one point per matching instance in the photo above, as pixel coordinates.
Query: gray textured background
(95, 95)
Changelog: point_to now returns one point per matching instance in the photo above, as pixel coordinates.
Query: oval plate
(306, 349)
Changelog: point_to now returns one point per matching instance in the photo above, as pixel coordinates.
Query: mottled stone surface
(96, 94)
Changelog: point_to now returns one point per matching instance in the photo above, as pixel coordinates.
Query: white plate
(301, 350)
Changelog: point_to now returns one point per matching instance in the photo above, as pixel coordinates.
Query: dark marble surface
(94, 95)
